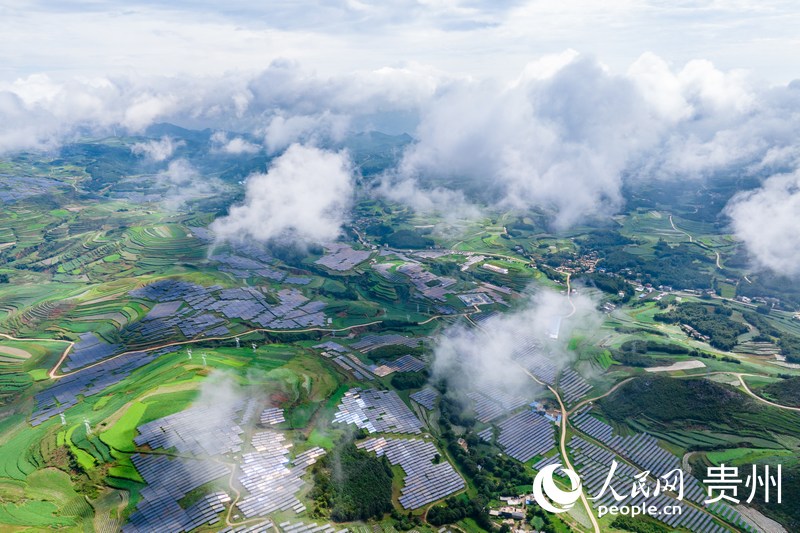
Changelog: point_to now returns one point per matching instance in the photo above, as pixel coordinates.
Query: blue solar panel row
(64, 393)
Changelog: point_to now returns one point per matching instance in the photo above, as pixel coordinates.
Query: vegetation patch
(351, 484)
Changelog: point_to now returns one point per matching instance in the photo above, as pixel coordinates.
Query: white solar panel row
(377, 412)
(300, 527)
(331, 345)
(194, 431)
(262, 527)
(270, 478)
(271, 416)
(357, 370)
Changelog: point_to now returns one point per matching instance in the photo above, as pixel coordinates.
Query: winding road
(740, 376)
(564, 417)
(671, 223)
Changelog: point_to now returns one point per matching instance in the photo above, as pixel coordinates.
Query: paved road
(691, 239)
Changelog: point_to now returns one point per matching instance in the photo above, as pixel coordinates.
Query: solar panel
(425, 481)
(426, 397)
(377, 411)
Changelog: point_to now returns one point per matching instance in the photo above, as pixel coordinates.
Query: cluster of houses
(512, 512)
(553, 414)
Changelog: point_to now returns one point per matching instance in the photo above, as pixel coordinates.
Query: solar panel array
(168, 481)
(332, 346)
(547, 461)
(530, 355)
(491, 403)
(353, 365)
(262, 527)
(371, 342)
(644, 451)
(270, 478)
(248, 260)
(285, 527)
(385, 271)
(425, 397)
(640, 448)
(573, 386)
(429, 284)
(89, 349)
(14, 188)
(271, 416)
(64, 393)
(377, 411)
(198, 431)
(163, 310)
(299, 527)
(207, 309)
(404, 363)
(526, 435)
(425, 481)
(484, 316)
(594, 463)
(342, 257)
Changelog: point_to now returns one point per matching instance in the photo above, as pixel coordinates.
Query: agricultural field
(416, 350)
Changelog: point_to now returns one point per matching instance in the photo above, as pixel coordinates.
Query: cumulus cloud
(568, 132)
(232, 146)
(183, 183)
(449, 204)
(281, 104)
(283, 131)
(767, 221)
(562, 136)
(558, 141)
(305, 195)
(159, 150)
(475, 359)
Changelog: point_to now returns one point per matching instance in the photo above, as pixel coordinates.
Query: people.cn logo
(551, 498)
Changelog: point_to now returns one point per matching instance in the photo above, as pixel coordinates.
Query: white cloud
(561, 136)
(283, 103)
(568, 132)
(158, 151)
(305, 195)
(307, 129)
(767, 221)
(184, 183)
(232, 146)
(558, 142)
(473, 359)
